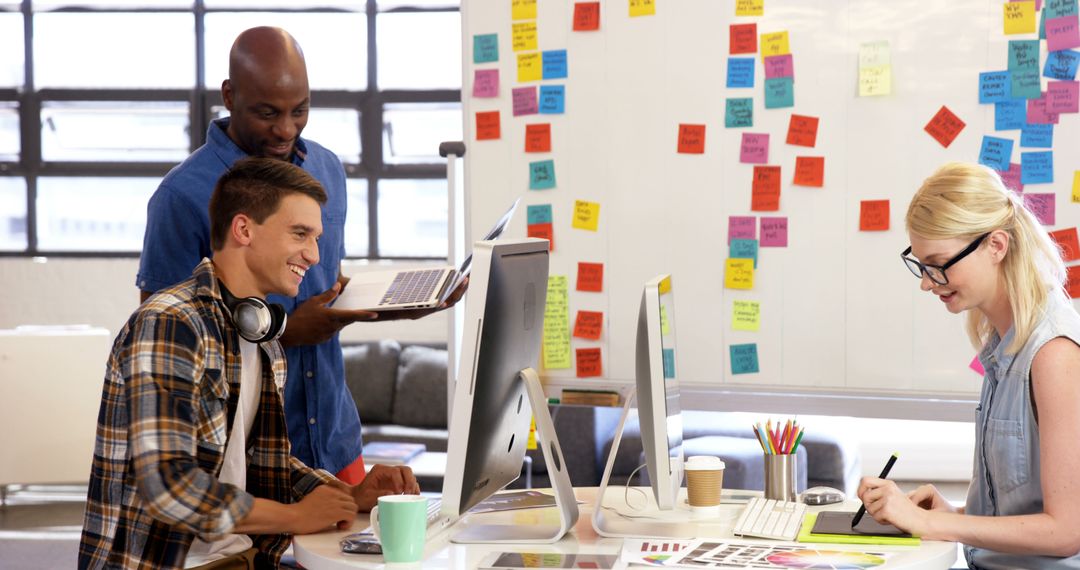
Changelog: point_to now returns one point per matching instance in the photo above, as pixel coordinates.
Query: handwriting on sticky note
(996, 152)
(740, 72)
(538, 137)
(779, 92)
(774, 43)
(523, 36)
(691, 139)
(994, 86)
(586, 16)
(1062, 65)
(1042, 206)
(1010, 115)
(1037, 167)
(744, 358)
(640, 8)
(554, 64)
(944, 126)
(589, 324)
(485, 48)
(1069, 243)
(1062, 33)
(665, 324)
(774, 231)
(590, 277)
(542, 175)
(542, 231)
(538, 214)
(802, 130)
(1061, 97)
(552, 99)
(741, 227)
(1038, 112)
(588, 363)
(744, 249)
(749, 7)
(1023, 55)
(809, 171)
(556, 340)
(1035, 135)
(754, 148)
(1020, 17)
(746, 316)
(524, 100)
(487, 125)
(765, 191)
(738, 273)
(1011, 178)
(739, 113)
(523, 9)
(586, 215)
(742, 39)
(486, 83)
(875, 81)
(873, 215)
(779, 66)
(529, 67)
(1072, 281)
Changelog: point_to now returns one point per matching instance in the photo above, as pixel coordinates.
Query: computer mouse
(822, 496)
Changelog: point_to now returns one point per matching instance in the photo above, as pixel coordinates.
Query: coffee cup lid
(704, 462)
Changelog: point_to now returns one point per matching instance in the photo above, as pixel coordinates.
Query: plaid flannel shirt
(171, 389)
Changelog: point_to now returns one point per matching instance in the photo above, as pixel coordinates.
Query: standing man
(192, 468)
(268, 98)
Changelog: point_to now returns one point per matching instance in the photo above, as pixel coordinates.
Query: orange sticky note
(590, 276)
(944, 126)
(873, 215)
(802, 130)
(588, 324)
(588, 362)
(765, 193)
(1067, 241)
(586, 16)
(538, 138)
(1072, 281)
(487, 126)
(691, 139)
(542, 231)
(809, 171)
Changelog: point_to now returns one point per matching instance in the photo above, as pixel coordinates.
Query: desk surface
(321, 551)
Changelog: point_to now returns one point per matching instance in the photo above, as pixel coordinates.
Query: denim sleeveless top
(1007, 475)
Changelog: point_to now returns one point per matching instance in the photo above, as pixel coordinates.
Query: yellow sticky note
(746, 316)
(665, 285)
(586, 215)
(556, 339)
(522, 9)
(665, 324)
(524, 37)
(1076, 187)
(875, 81)
(775, 43)
(642, 8)
(749, 7)
(529, 67)
(531, 443)
(739, 274)
(1020, 17)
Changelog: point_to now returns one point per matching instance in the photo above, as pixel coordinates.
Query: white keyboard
(766, 518)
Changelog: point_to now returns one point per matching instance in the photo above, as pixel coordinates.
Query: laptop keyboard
(767, 518)
(412, 287)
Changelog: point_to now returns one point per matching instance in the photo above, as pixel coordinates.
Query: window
(108, 114)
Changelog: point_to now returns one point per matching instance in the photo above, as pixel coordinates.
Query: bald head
(267, 92)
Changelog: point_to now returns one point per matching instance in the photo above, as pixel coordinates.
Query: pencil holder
(780, 475)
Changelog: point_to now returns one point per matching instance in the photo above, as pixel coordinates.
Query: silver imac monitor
(498, 392)
(658, 391)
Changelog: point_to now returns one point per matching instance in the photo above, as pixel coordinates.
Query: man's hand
(384, 480)
(413, 314)
(313, 322)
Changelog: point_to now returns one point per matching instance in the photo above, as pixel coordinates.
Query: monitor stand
(660, 524)
(565, 501)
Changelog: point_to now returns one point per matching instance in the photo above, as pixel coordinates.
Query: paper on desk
(651, 552)
(720, 554)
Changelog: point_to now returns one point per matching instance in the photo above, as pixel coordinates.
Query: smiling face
(973, 281)
(285, 246)
(267, 113)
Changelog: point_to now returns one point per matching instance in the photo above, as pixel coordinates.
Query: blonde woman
(975, 246)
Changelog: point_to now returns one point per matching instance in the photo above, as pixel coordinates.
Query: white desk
(321, 551)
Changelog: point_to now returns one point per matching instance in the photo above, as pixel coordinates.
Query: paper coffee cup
(704, 480)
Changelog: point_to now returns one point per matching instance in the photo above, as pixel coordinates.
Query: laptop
(412, 288)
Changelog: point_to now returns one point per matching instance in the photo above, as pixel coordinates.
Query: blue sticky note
(1010, 115)
(1060, 8)
(744, 249)
(994, 86)
(1037, 167)
(1023, 55)
(554, 65)
(996, 153)
(669, 363)
(539, 214)
(552, 99)
(485, 48)
(740, 72)
(744, 358)
(1037, 136)
(779, 92)
(1062, 65)
(739, 113)
(1025, 85)
(542, 175)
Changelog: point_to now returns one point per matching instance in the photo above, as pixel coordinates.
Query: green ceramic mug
(400, 524)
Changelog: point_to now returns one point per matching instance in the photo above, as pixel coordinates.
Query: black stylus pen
(884, 473)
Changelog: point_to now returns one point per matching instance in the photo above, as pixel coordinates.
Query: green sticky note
(669, 363)
(744, 358)
(485, 48)
(542, 175)
(779, 92)
(739, 113)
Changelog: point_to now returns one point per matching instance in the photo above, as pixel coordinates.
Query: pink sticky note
(779, 66)
(1042, 205)
(754, 148)
(1039, 113)
(1062, 97)
(773, 232)
(486, 83)
(524, 101)
(1011, 178)
(977, 366)
(1062, 33)
(741, 227)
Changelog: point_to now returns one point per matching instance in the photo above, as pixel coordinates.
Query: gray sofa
(401, 395)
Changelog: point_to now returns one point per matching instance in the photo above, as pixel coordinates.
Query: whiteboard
(843, 323)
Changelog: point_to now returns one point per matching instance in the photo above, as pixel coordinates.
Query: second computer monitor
(658, 391)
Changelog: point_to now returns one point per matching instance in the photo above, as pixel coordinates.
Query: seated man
(192, 454)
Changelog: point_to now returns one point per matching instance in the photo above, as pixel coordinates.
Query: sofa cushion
(421, 388)
(371, 371)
